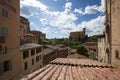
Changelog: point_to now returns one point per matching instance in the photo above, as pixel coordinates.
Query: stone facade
(112, 31)
(9, 39)
(51, 52)
(77, 36)
(31, 57)
(25, 35)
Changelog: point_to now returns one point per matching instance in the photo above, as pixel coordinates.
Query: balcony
(2, 39)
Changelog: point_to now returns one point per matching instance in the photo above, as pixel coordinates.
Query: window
(32, 61)
(40, 57)
(25, 66)
(3, 31)
(117, 54)
(5, 66)
(32, 52)
(25, 54)
(38, 49)
(3, 50)
(5, 12)
(37, 58)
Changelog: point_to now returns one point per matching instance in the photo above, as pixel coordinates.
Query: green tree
(82, 50)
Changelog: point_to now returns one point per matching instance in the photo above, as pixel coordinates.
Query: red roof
(64, 69)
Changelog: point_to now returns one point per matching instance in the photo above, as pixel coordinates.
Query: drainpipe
(110, 33)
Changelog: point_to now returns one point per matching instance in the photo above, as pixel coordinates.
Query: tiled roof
(51, 46)
(29, 46)
(81, 62)
(74, 72)
(47, 51)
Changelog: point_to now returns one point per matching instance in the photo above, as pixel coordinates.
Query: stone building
(51, 52)
(77, 36)
(39, 34)
(112, 31)
(31, 57)
(25, 34)
(9, 39)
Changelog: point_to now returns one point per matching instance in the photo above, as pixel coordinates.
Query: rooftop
(59, 69)
(47, 51)
(29, 46)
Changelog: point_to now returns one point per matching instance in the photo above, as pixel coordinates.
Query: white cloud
(55, 0)
(64, 20)
(48, 30)
(33, 3)
(78, 11)
(25, 11)
(33, 26)
(95, 26)
(102, 7)
(68, 5)
(43, 21)
(91, 9)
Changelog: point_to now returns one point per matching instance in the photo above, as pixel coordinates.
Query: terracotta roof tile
(81, 62)
(73, 72)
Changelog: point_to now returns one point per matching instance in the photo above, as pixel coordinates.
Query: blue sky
(57, 18)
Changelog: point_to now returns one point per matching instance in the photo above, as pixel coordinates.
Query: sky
(57, 18)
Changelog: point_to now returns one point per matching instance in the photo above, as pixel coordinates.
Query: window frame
(5, 12)
(25, 66)
(117, 54)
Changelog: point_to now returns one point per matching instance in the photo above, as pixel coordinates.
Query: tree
(82, 50)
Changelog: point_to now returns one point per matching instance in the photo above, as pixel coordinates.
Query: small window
(6, 65)
(37, 58)
(117, 54)
(3, 31)
(32, 52)
(25, 54)
(5, 12)
(25, 66)
(3, 50)
(32, 61)
(38, 49)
